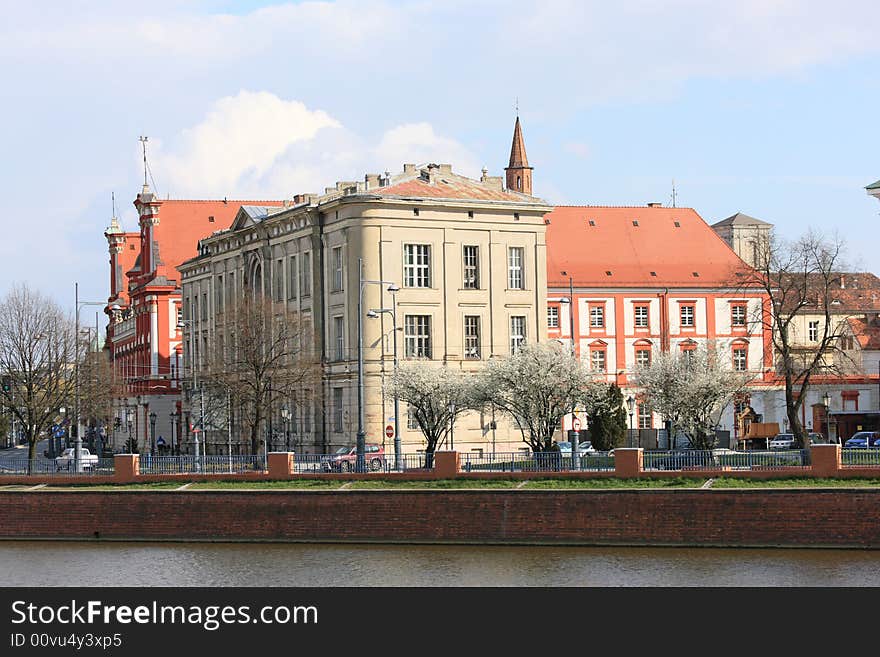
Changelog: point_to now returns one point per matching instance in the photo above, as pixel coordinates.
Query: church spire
(519, 173)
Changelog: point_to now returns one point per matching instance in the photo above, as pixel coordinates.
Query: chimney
(372, 180)
(446, 168)
(485, 174)
(409, 168)
(842, 282)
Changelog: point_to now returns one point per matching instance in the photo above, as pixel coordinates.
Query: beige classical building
(468, 257)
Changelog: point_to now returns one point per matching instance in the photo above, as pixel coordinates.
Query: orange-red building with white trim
(644, 280)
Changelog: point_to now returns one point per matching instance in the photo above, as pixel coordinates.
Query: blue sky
(760, 106)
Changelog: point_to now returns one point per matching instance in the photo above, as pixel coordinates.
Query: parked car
(344, 459)
(782, 441)
(67, 460)
(864, 439)
(584, 447)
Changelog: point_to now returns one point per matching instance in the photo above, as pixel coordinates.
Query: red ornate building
(143, 336)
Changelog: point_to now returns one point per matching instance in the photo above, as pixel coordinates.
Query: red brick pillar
(280, 465)
(628, 462)
(446, 465)
(126, 468)
(825, 460)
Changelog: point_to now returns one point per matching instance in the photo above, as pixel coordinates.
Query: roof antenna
(113, 200)
(673, 192)
(143, 141)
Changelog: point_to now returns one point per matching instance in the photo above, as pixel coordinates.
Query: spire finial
(516, 106)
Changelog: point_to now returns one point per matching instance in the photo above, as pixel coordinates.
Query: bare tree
(266, 353)
(99, 386)
(436, 396)
(691, 389)
(800, 278)
(537, 386)
(37, 352)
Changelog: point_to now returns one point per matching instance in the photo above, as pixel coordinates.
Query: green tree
(607, 420)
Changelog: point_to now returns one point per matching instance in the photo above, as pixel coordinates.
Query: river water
(44, 563)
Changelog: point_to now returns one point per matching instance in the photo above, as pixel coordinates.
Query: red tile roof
(452, 187)
(622, 246)
(867, 334)
(183, 223)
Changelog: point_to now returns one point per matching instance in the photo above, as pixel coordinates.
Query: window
(515, 274)
(471, 258)
(472, 337)
(597, 316)
(552, 316)
(738, 315)
(305, 275)
(230, 290)
(813, 331)
(640, 316)
(417, 336)
(337, 269)
(278, 280)
(643, 356)
(687, 316)
(688, 352)
(292, 272)
(338, 415)
(417, 265)
(740, 357)
(597, 360)
(218, 293)
(517, 332)
(339, 336)
(204, 306)
(411, 422)
(645, 416)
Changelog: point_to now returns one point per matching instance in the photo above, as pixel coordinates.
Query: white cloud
(256, 145)
(238, 144)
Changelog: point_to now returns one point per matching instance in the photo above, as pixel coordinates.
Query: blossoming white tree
(436, 397)
(536, 387)
(691, 389)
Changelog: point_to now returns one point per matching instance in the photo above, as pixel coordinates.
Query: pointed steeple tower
(519, 173)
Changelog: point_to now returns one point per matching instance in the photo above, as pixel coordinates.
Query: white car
(67, 460)
(584, 447)
(782, 441)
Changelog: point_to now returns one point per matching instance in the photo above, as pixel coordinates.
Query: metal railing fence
(535, 462)
(693, 459)
(854, 457)
(376, 463)
(22, 466)
(190, 464)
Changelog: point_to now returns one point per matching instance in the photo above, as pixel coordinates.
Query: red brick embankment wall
(768, 517)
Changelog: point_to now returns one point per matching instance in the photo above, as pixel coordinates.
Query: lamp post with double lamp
(361, 435)
(77, 454)
(393, 289)
(181, 325)
(631, 406)
(573, 433)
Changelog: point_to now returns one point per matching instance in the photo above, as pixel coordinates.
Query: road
(12, 458)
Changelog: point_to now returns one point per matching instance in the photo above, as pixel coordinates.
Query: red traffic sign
(576, 424)
(389, 431)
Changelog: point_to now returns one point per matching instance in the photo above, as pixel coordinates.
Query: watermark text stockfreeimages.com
(209, 617)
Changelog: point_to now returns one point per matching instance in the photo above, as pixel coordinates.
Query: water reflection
(40, 563)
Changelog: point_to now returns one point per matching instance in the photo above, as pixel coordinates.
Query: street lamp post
(631, 405)
(129, 418)
(285, 417)
(361, 434)
(573, 434)
(173, 416)
(153, 434)
(393, 289)
(826, 401)
(77, 454)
